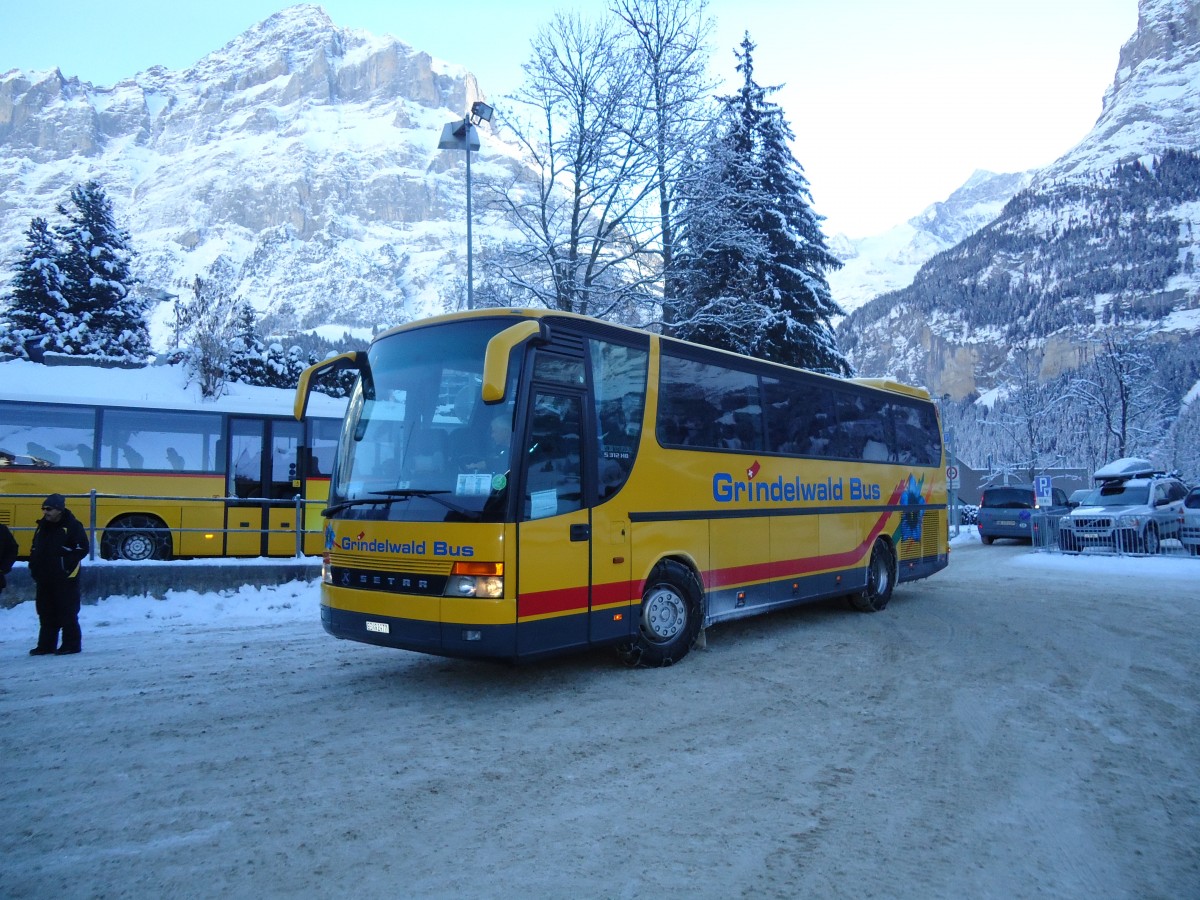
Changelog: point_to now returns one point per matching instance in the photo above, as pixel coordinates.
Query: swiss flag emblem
(754, 469)
(361, 535)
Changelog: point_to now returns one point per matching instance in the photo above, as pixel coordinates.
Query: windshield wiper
(357, 501)
(405, 493)
(396, 494)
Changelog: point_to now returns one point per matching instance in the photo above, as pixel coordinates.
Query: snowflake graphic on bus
(912, 499)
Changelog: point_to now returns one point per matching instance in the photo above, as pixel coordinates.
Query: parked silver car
(1078, 496)
(1132, 509)
(1189, 522)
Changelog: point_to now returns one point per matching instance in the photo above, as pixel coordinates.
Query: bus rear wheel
(670, 617)
(881, 578)
(136, 538)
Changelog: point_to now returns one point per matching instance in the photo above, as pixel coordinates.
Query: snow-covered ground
(1021, 725)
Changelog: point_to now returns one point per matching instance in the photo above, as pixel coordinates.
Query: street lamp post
(463, 136)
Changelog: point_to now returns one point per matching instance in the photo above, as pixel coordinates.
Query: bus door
(263, 465)
(554, 534)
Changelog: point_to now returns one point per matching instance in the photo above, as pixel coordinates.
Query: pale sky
(894, 102)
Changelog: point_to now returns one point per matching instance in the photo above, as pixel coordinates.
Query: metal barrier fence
(1045, 526)
(93, 527)
(1046, 537)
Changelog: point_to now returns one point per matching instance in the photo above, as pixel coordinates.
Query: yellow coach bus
(167, 476)
(519, 483)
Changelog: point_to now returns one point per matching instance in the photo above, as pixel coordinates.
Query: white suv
(1189, 522)
(1131, 510)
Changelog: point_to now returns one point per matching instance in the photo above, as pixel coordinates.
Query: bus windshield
(425, 447)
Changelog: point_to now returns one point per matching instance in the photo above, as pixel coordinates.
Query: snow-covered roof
(1126, 467)
(159, 387)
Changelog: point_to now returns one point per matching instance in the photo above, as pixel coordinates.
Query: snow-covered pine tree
(247, 352)
(718, 302)
(253, 361)
(755, 254)
(109, 321)
(284, 365)
(37, 310)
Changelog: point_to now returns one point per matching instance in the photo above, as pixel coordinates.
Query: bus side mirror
(355, 359)
(495, 360)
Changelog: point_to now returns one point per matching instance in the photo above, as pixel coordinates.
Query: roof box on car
(1127, 467)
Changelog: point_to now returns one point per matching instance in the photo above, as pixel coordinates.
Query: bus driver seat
(426, 452)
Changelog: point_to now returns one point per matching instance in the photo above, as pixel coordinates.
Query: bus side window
(554, 473)
(312, 465)
(24, 429)
(620, 403)
(323, 437)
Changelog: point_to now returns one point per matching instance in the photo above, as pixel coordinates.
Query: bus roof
(148, 387)
(516, 313)
(898, 387)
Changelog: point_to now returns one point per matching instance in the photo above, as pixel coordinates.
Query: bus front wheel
(670, 617)
(136, 538)
(881, 578)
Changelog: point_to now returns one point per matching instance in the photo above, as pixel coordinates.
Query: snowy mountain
(304, 153)
(1109, 233)
(889, 261)
(1154, 101)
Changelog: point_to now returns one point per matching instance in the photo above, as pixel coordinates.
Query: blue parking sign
(1042, 487)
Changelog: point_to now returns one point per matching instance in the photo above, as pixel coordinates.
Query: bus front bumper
(438, 638)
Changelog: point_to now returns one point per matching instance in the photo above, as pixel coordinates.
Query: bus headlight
(476, 579)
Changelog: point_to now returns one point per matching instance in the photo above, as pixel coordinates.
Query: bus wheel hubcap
(663, 614)
(879, 575)
(137, 546)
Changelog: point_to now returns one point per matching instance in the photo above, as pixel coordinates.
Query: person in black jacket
(59, 545)
(8, 553)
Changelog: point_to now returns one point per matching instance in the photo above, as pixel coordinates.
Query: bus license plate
(381, 627)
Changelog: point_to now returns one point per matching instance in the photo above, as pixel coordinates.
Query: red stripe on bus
(110, 473)
(616, 592)
(575, 599)
(789, 568)
(547, 603)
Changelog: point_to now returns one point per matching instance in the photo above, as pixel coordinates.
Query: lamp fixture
(481, 112)
(462, 136)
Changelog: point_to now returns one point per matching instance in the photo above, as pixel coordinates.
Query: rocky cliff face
(303, 152)
(1109, 233)
(1154, 100)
